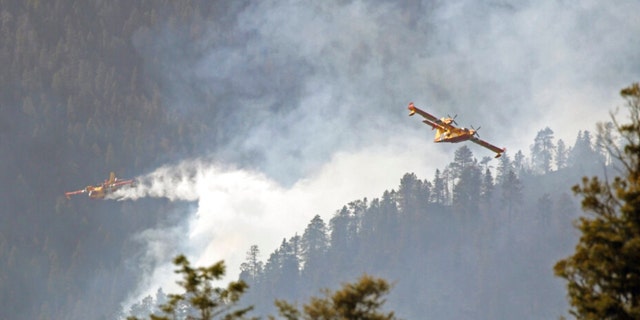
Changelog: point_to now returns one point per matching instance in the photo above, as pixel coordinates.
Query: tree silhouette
(542, 151)
(466, 192)
(199, 294)
(561, 155)
(252, 268)
(438, 193)
(314, 240)
(355, 301)
(486, 191)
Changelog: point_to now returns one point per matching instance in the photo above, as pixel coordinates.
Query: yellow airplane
(447, 132)
(101, 190)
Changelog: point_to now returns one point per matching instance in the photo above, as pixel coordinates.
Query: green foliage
(200, 295)
(603, 274)
(361, 300)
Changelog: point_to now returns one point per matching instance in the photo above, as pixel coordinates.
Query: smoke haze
(311, 103)
(237, 208)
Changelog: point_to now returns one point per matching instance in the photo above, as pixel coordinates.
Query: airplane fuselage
(453, 139)
(453, 135)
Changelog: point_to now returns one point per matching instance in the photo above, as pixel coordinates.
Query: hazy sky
(312, 99)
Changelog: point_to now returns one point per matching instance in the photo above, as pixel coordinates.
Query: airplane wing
(429, 119)
(413, 110)
(435, 125)
(489, 146)
(121, 183)
(71, 193)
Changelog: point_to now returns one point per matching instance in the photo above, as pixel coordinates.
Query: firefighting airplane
(447, 132)
(101, 190)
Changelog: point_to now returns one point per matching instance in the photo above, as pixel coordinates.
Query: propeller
(475, 131)
(453, 119)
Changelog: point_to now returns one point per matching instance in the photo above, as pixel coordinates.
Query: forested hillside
(474, 242)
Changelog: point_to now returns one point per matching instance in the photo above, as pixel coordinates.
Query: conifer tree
(340, 229)
(290, 269)
(486, 190)
(361, 300)
(583, 154)
(438, 194)
(314, 240)
(413, 194)
(314, 245)
(561, 155)
(466, 192)
(503, 169)
(519, 162)
(542, 151)
(462, 159)
(200, 295)
(252, 268)
(603, 274)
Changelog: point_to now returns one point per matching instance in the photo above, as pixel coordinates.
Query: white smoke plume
(185, 181)
(236, 208)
